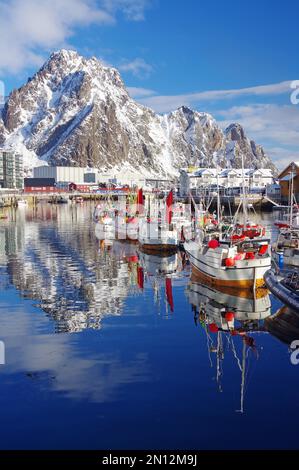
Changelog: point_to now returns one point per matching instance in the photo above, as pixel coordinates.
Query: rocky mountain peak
(76, 111)
(235, 132)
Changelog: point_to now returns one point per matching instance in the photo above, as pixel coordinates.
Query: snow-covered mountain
(76, 111)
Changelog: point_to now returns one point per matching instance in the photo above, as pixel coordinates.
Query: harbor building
(11, 170)
(291, 172)
(192, 179)
(67, 174)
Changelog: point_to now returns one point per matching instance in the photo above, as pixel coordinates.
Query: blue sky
(171, 52)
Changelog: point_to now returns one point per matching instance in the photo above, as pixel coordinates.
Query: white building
(261, 178)
(203, 178)
(68, 174)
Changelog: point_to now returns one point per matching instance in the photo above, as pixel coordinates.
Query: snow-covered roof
(198, 172)
(266, 172)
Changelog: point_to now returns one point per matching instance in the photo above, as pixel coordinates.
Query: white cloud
(168, 103)
(136, 92)
(138, 67)
(132, 9)
(30, 28)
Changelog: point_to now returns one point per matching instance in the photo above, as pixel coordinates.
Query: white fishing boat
(156, 235)
(128, 228)
(288, 219)
(182, 223)
(238, 257)
(286, 247)
(105, 223)
(225, 263)
(22, 203)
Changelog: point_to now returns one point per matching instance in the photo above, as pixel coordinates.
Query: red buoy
(229, 316)
(213, 244)
(213, 328)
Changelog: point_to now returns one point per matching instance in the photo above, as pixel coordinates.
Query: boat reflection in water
(159, 270)
(230, 319)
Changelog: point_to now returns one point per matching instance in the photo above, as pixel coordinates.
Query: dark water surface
(95, 360)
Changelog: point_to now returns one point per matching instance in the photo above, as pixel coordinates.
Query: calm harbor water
(103, 352)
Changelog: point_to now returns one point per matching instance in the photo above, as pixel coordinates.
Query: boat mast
(218, 201)
(291, 194)
(219, 360)
(244, 199)
(241, 410)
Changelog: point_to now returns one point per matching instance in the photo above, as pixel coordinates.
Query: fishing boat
(58, 200)
(182, 223)
(78, 200)
(157, 236)
(286, 247)
(288, 220)
(22, 203)
(128, 225)
(128, 228)
(285, 287)
(225, 263)
(237, 257)
(105, 227)
(62, 200)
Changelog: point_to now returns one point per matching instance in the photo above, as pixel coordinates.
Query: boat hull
(244, 274)
(254, 279)
(289, 298)
(158, 248)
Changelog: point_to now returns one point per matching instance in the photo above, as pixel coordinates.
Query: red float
(213, 328)
(213, 244)
(229, 316)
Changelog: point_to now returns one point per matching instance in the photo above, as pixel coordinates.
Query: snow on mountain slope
(76, 111)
